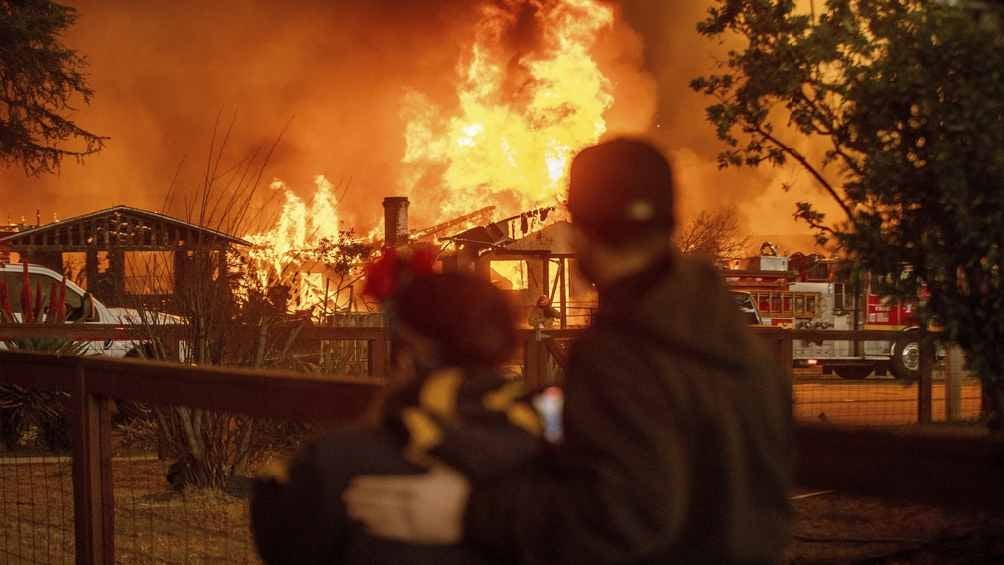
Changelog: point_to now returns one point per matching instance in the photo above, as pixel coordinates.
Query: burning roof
(506, 231)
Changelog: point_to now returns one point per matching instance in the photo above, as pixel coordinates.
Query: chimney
(395, 221)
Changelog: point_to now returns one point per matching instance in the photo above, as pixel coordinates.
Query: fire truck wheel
(906, 356)
(854, 372)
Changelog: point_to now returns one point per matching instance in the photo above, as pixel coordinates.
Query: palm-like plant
(24, 409)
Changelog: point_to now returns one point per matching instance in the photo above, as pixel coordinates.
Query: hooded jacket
(474, 421)
(677, 439)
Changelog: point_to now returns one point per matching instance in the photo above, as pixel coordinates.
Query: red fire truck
(807, 292)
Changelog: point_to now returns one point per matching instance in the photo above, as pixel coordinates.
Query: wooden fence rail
(918, 465)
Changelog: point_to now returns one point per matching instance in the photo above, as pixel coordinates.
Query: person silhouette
(449, 404)
(677, 442)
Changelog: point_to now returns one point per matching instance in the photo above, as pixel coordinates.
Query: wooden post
(925, 390)
(377, 357)
(953, 384)
(787, 353)
(533, 368)
(561, 293)
(117, 270)
(94, 505)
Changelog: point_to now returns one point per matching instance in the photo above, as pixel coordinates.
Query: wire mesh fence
(36, 488)
(36, 507)
(877, 398)
(168, 509)
(182, 496)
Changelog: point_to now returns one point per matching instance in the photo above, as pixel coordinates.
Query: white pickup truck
(81, 307)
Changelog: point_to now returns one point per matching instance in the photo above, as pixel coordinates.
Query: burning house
(529, 257)
(123, 255)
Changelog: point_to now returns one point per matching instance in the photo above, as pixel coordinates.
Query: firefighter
(449, 404)
(543, 315)
(677, 442)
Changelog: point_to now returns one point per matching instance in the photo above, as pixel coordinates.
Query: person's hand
(420, 509)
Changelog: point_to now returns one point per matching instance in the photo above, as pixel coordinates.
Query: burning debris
(307, 255)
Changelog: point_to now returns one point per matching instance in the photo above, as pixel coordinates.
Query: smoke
(163, 71)
(674, 54)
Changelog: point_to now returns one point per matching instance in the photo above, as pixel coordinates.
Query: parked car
(80, 307)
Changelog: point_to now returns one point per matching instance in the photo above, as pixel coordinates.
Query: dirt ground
(835, 528)
(156, 525)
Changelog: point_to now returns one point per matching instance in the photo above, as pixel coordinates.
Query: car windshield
(40, 283)
(742, 300)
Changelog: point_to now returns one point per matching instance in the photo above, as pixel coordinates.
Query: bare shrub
(715, 235)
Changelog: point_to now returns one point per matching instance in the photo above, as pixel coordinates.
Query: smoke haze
(162, 71)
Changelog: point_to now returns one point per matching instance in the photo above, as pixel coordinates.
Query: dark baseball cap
(620, 189)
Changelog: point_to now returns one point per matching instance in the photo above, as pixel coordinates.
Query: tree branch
(790, 151)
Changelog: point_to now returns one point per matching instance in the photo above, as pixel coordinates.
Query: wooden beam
(534, 361)
(129, 332)
(86, 332)
(45, 372)
(377, 353)
(563, 299)
(94, 503)
(276, 394)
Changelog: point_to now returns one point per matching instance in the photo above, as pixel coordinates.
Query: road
(873, 401)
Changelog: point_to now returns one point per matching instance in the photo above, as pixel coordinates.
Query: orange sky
(162, 71)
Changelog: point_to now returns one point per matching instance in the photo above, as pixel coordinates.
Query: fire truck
(808, 292)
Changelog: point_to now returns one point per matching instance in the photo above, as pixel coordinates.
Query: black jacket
(477, 423)
(677, 439)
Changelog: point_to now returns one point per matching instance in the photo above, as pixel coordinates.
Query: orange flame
(282, 253)
(517, 127)
(519, 120)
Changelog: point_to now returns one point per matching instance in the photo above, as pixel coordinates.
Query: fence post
(787, 353)
(377, 356)
(925, 390)
(93, 502)
(953, 385)
(533, 367)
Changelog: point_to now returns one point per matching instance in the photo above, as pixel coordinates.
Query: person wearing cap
(677, 440)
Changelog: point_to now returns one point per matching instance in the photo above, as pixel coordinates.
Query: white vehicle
(837, 306)
(81, 307)
(816, 296)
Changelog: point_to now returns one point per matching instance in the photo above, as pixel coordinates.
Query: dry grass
(153, 524)
(835, 528)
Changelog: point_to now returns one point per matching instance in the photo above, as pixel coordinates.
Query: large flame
(521, 115)
(520, 119)
(287, 252)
